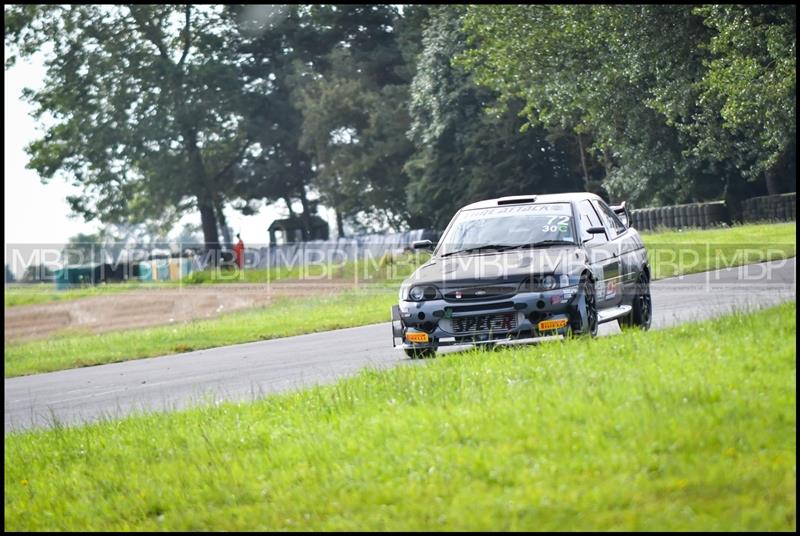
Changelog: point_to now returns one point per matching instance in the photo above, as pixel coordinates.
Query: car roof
(532, 198)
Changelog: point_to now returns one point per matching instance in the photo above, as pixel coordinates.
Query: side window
(589, 218)
(610, 219)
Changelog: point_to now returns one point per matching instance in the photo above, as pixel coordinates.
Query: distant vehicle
(525, 268)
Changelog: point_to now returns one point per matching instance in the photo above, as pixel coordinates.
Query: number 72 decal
(556, 224)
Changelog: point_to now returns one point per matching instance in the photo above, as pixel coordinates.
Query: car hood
(503, 267)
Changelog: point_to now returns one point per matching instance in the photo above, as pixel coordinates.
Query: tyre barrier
(700, 215)
(781, 207)
(669, 218)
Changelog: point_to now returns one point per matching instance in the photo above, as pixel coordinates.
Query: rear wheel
(641, 315)
(583, 320)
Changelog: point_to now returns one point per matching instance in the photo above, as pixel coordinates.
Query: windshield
(500, 228)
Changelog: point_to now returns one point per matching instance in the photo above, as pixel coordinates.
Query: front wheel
(420, 353)
(641, 315)
(583, 320)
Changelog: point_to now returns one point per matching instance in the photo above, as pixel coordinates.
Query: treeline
(395, 116)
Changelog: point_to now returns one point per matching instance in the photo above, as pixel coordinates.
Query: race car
(525, 268)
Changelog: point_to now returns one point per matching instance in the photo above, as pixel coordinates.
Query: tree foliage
(750, 80)
(145, 103)
(354, 106)
(396, 117)
(666, 92)
(333, 81)
(464, 154)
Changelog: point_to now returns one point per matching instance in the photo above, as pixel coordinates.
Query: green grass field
(671, 252)
(691, 428)
(355, 308)
(21, 294)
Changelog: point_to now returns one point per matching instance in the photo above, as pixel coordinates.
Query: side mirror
(594, 231)
(422, 244)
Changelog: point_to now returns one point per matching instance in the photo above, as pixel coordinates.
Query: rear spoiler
(622, 213)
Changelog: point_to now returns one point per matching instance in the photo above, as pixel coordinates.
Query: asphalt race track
(252, 370)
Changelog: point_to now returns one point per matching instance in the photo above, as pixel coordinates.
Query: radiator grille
(492, 323)
(479, 293)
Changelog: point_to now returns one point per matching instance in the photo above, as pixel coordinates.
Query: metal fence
(341, 250)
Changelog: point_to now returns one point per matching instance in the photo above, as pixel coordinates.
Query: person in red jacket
(238, 250)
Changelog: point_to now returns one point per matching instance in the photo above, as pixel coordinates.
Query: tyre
(583, 319)
(641, 315)
(569, 333)
(420, 353)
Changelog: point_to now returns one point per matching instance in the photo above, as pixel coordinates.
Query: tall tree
(463, 154)
(354, 103)
(355, 132)
(277, 42)
(146, 106)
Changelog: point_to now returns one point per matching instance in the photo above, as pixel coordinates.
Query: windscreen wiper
(498, 247)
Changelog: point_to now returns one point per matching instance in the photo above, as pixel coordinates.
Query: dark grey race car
(525, 268)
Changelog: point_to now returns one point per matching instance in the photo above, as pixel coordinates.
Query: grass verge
(691, 428)
(671, 253)
(35, 294)
(283, 318)
(674, 253)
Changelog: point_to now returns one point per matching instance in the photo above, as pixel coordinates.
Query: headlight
(548, 282)
(423, 292)
(541, 283)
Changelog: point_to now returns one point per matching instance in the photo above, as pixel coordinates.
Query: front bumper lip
(529, 339)
(434, 317)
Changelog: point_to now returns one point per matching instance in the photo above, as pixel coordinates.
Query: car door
(624, 248)
(602, 256)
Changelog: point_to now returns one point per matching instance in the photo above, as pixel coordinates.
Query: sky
(33, 212)
(39, 214)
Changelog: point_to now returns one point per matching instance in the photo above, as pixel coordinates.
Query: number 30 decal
(556, 224)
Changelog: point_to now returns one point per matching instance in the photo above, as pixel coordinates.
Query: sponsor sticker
(498, 212)
(546, 325)
(417, 337)
(611, 289)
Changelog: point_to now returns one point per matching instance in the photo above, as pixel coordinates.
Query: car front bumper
(516, 318)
